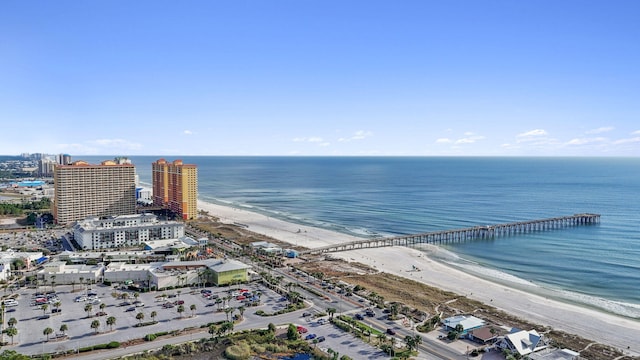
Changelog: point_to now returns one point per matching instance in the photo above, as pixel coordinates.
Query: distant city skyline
(311, 78)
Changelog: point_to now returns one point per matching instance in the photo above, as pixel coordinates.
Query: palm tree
(95, 325)
(153, 315)
(218, 302)
(140, 317)
(47, 331)
(53, 283)
(88, 308)
(393, 345)
(136, 295)
(241, 310)
(44, 308)
(81, 280)
(213, 330)
(64, 328)
(11, 332)
(418, 340)
(193, 309)
(102, 306)
(227, 311)
(411, 342)
(227, 326)
(57, 304)
(12, 322)
(180, 310)
(111, 320)
(73, 285)
(331, 311)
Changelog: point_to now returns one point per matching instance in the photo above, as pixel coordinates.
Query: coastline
(602, 327)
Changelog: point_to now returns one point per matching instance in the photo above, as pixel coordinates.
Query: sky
(320, 78)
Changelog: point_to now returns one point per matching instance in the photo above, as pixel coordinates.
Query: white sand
(598, 326)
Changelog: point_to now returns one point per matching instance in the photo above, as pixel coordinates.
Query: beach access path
(617, 331)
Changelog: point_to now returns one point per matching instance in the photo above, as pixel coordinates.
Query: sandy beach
(598, 326)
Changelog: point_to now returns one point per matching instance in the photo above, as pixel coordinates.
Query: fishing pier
(459, 235)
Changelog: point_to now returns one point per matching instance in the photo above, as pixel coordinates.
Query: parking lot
(32, 319)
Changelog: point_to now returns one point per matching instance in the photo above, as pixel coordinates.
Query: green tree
(292, 332)
(140, 317)
(111, 320)
(180, 310)
(213, 330)
(47, 331)
(44, 308)
(64, 328)
(12, 322)
(192, 307)
(11, 332)
(88, 308)
(153, 315)
(331, 311)
(241, 310)
(95, 325)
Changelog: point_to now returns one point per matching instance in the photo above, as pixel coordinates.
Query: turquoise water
(368, 196)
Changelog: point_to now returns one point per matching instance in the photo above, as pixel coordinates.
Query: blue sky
(300, 77)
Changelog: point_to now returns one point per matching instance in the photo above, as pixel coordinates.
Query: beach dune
(620, 332)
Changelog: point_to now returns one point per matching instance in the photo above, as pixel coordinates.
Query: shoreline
(603, 327)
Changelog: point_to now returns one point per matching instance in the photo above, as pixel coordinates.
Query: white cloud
(312, 139)
(627, 141)
(444, 141)
(469, 139)
(187, 132)
(600, 130)
(637, 132)
(359, 135)
(585, 141)
(536, 132)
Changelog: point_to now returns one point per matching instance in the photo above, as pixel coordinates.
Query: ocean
(596, 266)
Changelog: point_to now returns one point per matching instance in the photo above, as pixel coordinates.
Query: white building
(61, 273)
(124, 231)
(523, 342)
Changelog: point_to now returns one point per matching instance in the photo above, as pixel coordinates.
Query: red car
(240, 297)
(302, 329)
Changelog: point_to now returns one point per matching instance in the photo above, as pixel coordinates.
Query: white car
(10, 302)
(81, 299)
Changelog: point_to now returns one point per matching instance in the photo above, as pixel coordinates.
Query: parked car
(10, 302)
(310, 337)
(133, 308)
(322, 322)
(359, 317)
(140, 304)
(168, 305)
(301, 329)
(101, 313)
(390, 331)
(320, 339)
(306, 314)
(56, 310)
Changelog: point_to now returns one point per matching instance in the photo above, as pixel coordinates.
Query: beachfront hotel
(124, 231)
(175, 187)
(83, 190)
